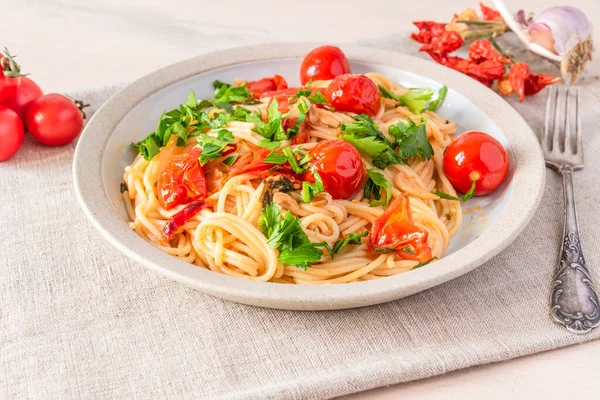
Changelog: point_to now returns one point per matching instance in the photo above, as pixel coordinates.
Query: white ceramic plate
(490, 222)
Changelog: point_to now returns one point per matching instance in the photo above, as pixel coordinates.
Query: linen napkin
(78, 319)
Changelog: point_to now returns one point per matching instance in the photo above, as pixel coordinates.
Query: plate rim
(524, 198)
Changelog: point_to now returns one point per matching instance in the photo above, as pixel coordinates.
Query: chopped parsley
(275, 158)
(268, 144)
(123, 187)
(434, 104)
(226, 93)
(446, 196)
(411, 139)
(352, 238)
(298, 166)
(314, 97)
(424, 263)
(414, 99)
(212, 147)
(310, 190)
(373, 187)
(229, 161)
(470, 193)
(288, 236)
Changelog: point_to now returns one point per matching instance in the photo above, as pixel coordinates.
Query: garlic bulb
(561, 34)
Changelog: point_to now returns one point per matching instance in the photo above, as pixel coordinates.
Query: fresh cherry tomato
(277, 82)
(339, 165)
(354, 93)
(475, 156)
(394, 230)
(323, 63)
(10, 71)
(54, 119)
(11, 133)
(25, 93)
(8, 87)
(182, 181)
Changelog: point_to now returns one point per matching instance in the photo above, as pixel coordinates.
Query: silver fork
(574, 302)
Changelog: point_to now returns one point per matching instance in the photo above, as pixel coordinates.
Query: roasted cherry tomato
(182, 180)
(339, 165)
(26, 92)
(323, 63)
(11, 133)
(175, 224)
(475, 157)
(354, 93)
(394, 230)
(283, 96)
(54, 119)
(277, 82)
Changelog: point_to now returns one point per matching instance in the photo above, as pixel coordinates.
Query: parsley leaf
(268, 144)
(424, 263)
(444, 195)
(470, 193)
(302, 111)
(414, 99)
(315, 97)
(377, 180)
(352, 238)
(301, 256)
(434, 104)
(293, 163)
(226, 93)
(212, 147)
(240, 114)
(310, 190)
(412, 139)
(229, 161)
(269, 218)
(275, 158)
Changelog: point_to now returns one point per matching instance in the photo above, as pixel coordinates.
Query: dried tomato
(485, 72)
(535, 83)
(176, 222)
(504, 86)
(427, 31)
(481, 50)
(446, 42)
(489, 14)
(518, 74)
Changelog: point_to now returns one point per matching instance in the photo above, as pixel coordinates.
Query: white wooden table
(73, 44)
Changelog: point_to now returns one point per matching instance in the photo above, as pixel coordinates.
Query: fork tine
(544, 139)
(570, 108)
(557, 122)
(578, 138)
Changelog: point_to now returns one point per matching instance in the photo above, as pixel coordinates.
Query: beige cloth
(80, 320)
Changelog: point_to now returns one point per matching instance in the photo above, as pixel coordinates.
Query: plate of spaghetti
(308, 177)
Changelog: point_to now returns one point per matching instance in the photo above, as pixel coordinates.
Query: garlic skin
(561, 34)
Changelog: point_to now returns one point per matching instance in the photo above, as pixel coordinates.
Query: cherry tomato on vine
(8, 87)
(54, 119)
(11, 133)
(339, 165)
(476, 157)
(354, 93)
(323, 63)
(182, 180)
(26, 92)
(10, 72)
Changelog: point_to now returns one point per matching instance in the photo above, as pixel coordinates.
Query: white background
(69, 44)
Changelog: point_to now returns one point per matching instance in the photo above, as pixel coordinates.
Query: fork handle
(574, 299)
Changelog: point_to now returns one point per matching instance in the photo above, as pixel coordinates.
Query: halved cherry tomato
(176, 222)
(323, 63)
(26, 92)
(283, 96)
(339, 165)
(182, 180)
(394, 230)
(277, 82)
(476, 156)
(354, 93)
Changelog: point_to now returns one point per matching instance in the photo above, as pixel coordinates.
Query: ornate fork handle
(574, 299)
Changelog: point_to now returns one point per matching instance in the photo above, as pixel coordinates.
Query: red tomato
(11, 133)
(175, 224)
(354, 93)
(25, 93)
(54, 119)
(283, 96)
(182, 180)
(394, 230)
(323, 63)
(339, 165)
(277, 82)
(476, 156)
(8, 87)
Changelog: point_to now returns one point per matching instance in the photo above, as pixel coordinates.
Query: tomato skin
(8, 87)
(283, 96)
(476, 154)
(261, 86)
(54, 119)
(323, 63)
(182, 181)
(26, 92)
(339, 165)
(395, 231)
(354, 93)
(11, 133)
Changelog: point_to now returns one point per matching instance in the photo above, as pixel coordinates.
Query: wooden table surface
(73, 44)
